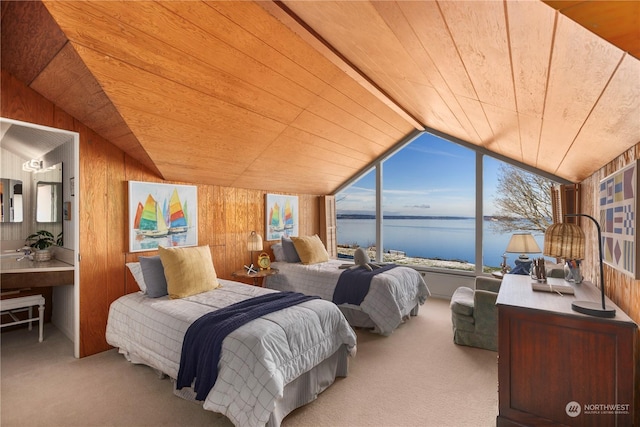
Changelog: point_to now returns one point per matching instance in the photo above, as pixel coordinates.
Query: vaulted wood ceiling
(298, 96)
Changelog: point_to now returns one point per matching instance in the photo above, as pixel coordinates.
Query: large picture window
(430, 203)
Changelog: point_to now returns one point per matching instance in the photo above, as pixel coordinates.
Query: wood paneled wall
(623, 289)
(226, 215)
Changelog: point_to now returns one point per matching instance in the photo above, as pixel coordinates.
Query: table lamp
(523, 243)
(254, 244)
(567, 241)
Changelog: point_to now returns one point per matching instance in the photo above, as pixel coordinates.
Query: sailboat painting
(281, 216)
(162, 215)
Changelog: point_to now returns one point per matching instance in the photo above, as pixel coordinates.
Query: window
(509, 194)
(430, 206)
(356, 215)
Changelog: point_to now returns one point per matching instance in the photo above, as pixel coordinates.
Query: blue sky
(430, 176)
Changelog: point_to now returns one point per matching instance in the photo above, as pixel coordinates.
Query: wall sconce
(567, 241)
(254, 244)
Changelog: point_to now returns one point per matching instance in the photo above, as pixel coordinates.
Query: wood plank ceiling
(298, 96)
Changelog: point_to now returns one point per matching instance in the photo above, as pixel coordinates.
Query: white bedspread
(257, 360)
(392, 296)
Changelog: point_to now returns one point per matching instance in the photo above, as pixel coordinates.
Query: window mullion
(379, 214)
(479, 211)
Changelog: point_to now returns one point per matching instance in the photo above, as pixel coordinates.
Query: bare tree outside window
(523, 201)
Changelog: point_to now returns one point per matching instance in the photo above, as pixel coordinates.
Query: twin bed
(269, 366)
(394, 294)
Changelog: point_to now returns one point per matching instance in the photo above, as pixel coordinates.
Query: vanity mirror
(11, 206)
(48, 187)
(48, 202)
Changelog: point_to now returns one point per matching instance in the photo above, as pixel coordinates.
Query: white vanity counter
(12, 265)
(16, 274)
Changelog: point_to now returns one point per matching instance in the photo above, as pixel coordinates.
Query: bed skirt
(359, 319)
(306, 388)
(302, 390)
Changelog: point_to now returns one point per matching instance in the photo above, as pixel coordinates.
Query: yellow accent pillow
(310, 249)
(188, 271)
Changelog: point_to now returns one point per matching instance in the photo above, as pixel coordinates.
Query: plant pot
(42, 255)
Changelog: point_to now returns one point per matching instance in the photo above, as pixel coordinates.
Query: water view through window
(429, 205)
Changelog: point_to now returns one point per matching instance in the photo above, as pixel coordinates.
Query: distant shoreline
(367, 216)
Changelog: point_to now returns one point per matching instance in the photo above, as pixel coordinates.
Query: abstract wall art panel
(618, 210)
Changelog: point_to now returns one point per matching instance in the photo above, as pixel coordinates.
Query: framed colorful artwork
(162, 215)
(618, 195)
(281, 216)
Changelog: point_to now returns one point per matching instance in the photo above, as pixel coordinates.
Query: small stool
(12, 306)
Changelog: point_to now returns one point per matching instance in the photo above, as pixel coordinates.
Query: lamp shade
(523, 243)
(564, 240)
(255, 242)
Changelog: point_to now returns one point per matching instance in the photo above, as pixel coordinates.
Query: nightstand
(261, 274)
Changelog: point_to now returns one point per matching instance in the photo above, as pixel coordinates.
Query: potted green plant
(41, 241)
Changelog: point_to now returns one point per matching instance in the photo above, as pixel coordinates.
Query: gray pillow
(153, 273)
(290, 253)
(278, 252)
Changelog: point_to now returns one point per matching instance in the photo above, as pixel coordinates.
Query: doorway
(29, 151)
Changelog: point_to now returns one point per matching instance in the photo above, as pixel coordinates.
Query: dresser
(560, 367)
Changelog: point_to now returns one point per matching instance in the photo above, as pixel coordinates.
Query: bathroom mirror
(11, 206)
(48, 201)
(48, 191)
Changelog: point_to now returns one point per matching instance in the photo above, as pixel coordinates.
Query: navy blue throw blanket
(203, 341)
(353, 284)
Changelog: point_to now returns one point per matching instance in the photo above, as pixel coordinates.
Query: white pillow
(136, 272)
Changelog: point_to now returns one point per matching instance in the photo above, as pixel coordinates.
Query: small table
(260, 274)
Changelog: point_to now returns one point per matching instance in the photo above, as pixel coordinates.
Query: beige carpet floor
(415, 377)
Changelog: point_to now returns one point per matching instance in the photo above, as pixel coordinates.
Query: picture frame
(618, 201)
(162, 215)
(281, 216)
